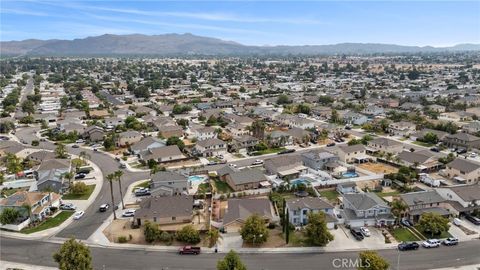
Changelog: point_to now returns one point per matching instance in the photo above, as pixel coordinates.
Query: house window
(305, 212)
(154, 219)
(174, 218)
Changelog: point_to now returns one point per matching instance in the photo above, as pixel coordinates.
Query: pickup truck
(189, 250)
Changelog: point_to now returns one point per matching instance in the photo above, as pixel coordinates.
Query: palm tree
(398, 208)
(110, 179)
(69, 177)
(28, 209)
(118, 175)
(84, 155)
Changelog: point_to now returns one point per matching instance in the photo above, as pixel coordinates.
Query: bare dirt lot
(378, 167)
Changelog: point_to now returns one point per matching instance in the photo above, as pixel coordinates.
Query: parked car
(104, 207)
(78, 215)
(257, 162)
(434, 149)
(212, 163)
(357, 233)
(75, 146)
(129, 213)
(331, 144)
(286, 151)
(67, 206)
(431, 243)
(232, 165)
(451, 241)
(79, 141)
(123, 166)
(189, 250)
(117, 158)
(406, 222)
(365, 231)
(457, 222)
(462, 151)
(80, 176)
(473, 219)
(408, 246)
(142, 192)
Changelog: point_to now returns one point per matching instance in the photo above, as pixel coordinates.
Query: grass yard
(331, 195)
(268, 151)
(428, 236)
(8, 192)
(144, 184)
(49, 223)
(387, 194)
(222, 187)
(203, 188)
(424, 144)
(404, 235)
(84, 196)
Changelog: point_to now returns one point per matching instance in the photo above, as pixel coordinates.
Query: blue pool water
(196, 178)
(299, 181)
(349, 174)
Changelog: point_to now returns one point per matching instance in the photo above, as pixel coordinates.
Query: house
(472, 127)
(39, 204)
(170, 131)
(145, 144)
(246, 142)
(285, 167)
(348, 187)
(366, 209)
(128, 138)
(211, 147)
(421, 133)
(384, 145)
(437, 108)
(373, 110)
(205, 133)
(167, 183)
(423, 161)
(72, 127)
(299, 208)
(50, 174)
(279, 139)
(463, 171)
(163, 154)
(463, 199)
(123, 113)
(165, 210)
(236, 129)
(238, 210)
(424, 202)
(352, 153)
(299, 135)
(246, 179)
(458, 116)
(41, 155)
(94, 134)
(301, 123)
(320, 160)
(112, 122)
(353, 118)
(401, 128)
(462, 140)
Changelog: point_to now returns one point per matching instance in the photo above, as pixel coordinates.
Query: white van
(457, 222)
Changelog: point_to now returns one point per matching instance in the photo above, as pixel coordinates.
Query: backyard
(222, 187)
(84, 196)
(330, 195)
(378, 167)
(49, 223)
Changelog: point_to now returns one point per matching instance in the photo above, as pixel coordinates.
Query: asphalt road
(40, 253)
(28, 90)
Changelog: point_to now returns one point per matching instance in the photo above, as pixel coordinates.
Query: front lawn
(331, 195)
(424, 144)
(428, 236)
(49, 223)
(404, 235)
(268, 151)
(84, 196)
(387, 194)
(222, 187)
(145, 184)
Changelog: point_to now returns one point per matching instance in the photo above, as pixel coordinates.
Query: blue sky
(434, 23)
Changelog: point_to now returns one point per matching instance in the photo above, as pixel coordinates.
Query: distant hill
(188, 44)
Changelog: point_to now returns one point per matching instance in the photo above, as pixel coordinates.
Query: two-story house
(463, 171)
(366, 209)
(167, 183)
(384, 145)
(299, 208)
(422, 202)
(352, 153)
(464, 199)
(401, 128)
(128, 138)
(205, 133)
(211, 147)
(462, 141)
(320, 160)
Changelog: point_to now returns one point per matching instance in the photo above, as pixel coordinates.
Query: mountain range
(188, 44)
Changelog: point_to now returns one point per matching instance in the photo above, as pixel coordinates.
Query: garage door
(356, 223)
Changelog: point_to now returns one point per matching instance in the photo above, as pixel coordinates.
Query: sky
(435, 23)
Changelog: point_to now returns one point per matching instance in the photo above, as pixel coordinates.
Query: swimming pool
(349, 174)
(299, 181)
(196, 178)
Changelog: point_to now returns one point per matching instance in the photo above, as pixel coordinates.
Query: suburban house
(384, 145)
(463, 171)
(422, 161)
(112, 122)
(171, 131)
(421, 133)
(211, 147)
(246, 179)
(205, 133)
(244, 142)
(424, 202)
(41, 155)
(146, 144)
(128, 138)
(169, 153)
(165, 210)
(301, 123)
(462, 140)
(472, 127)
(402, 128)
(285, 167)
(166, 183)
(373, 110)
(279, 138)
(366, 209)
(50, 174)
(236, 129)
(463, 199)
(458, 116)
(353, 118)
(94, 134)
(352, 153)
(238, 210)
(299, 208)
(38, 202)
(348, 187)
(320, 160)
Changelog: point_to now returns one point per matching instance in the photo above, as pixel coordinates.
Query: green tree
(73, 255)
(433, 223)
(13, 163)
(28, 107)
(430, 138)
(370, 260)
(316, 230)
(231, 261)
(151, 231)
(61, 151)
(398, 208)
(79, 188)
(283, 99)
(6, 126)
(110, 178)
(188, 234)
(254, 230)
(9, 215)
(176, 141)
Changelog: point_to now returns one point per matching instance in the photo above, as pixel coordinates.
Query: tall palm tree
(398, 208)
(118, 176)
(69, 176)
(110, 179)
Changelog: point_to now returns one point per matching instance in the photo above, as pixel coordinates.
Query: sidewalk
(13, 265)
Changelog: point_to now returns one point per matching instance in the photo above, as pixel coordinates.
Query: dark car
(286, 151)
(75, 146)
(189, 250)
(462, 151)
(434, 149)
(473, 219)
(406, 222)
(80, 176)
(357, 233)
(104, 207)
(331, 144)
(408, 246)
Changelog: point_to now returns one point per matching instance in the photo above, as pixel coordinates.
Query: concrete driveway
(344, 240)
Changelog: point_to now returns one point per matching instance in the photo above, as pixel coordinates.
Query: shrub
(122, 239)
(35, 143)
(188, 235)
(165, 237)
(151, 232)
(79, 188)
(271, 225)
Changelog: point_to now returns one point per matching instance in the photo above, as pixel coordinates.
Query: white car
(431, 243)
(78, 215)
(232, 165)
(129, 213)
(257, 162)
(365, 231)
